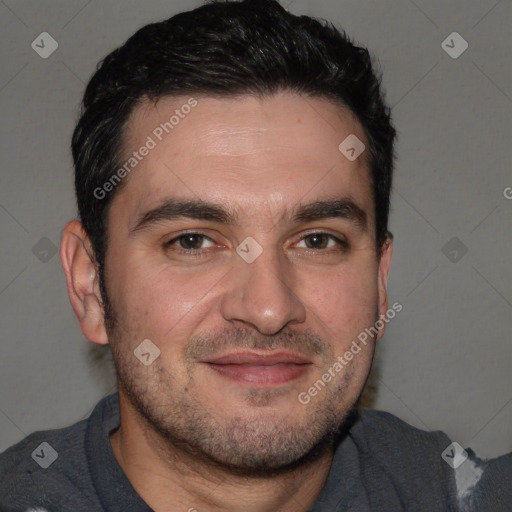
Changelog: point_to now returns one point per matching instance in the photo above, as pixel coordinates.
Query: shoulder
(375, 429)
(39, 466)
(406, 460)
(414, 458)
(398, 447)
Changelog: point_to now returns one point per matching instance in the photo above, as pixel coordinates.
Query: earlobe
(384, 266)
(82, 281)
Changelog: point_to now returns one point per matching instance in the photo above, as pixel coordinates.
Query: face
(248, 292)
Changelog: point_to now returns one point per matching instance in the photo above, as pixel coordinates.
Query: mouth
(260, 369)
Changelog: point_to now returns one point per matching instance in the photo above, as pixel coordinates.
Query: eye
(189, 243)
(319, 241)
(192, 243)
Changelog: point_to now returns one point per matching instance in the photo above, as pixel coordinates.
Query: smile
(260, 369)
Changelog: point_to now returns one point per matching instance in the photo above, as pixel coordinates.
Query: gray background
(445, 361)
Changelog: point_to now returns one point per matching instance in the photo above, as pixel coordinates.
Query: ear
(384, 266)
(82, 281)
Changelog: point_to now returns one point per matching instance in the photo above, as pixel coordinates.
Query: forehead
(244, 151)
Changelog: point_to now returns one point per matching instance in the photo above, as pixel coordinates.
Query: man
(233, 171)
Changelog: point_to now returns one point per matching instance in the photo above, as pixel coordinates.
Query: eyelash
(343, 244)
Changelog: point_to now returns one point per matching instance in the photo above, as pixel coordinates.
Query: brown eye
(191, 241)
(320, 241)
(188, 243)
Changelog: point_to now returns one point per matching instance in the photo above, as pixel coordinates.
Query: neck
(167, 477)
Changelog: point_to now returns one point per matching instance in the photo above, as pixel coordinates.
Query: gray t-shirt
(381, 464)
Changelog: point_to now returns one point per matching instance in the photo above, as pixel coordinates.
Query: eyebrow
(174, 209)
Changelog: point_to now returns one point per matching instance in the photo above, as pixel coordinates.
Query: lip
(259, 358)
(257, 369)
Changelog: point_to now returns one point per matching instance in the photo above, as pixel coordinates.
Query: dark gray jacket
(381, 464)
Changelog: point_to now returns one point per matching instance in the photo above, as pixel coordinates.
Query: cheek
(344, 300)
(163, 302)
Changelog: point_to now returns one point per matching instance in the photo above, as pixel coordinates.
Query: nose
(261, 294)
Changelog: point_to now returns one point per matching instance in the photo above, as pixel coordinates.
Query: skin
(190, 438)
